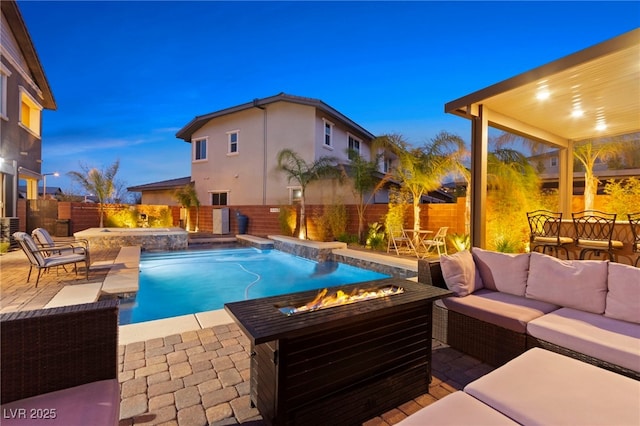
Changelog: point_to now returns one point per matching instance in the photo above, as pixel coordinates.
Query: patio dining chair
(544, 226)
(634, 221)
(400, 241)
(438, 242)
(42, 262)
(594, 233)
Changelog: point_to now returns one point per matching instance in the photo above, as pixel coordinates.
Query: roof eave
(20, 32)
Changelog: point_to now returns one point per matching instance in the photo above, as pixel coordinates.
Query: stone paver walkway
(200, 377)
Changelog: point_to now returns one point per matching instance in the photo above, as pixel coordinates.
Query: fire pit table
(344, 364)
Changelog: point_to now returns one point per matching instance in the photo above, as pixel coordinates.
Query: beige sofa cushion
(544, 388)
(623, 298)
(459, 273)
(502, 309)
(579, 284)
(598, 336)
(456, 409)
(504, 272)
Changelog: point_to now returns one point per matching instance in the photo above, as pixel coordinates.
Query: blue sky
(127, 75)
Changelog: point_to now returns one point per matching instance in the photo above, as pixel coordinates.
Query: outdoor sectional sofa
(508, 303)
(60, 366)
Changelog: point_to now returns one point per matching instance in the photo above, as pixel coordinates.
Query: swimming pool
(187, 282)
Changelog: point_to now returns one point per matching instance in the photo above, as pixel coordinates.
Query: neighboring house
(547, 165)
(161, 193)
(53, 193)
(234, 151)
(24, 93)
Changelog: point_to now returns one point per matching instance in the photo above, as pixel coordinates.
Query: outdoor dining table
(418, 239)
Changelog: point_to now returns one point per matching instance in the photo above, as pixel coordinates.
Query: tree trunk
(101, 213)
(303, 219)
(590, 190)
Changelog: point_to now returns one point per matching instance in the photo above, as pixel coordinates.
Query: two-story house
(24, 93)
(234, 150)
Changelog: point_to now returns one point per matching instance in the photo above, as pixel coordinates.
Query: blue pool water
(180, 283)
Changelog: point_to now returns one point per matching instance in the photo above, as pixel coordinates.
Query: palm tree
(587, 153)
(422, 169)
(101, 183)
(188, 197)
(362, 175)
(304, 173)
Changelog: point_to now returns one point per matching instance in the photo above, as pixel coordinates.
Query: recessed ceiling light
(601, 126)
(577, 112)
(543, 94)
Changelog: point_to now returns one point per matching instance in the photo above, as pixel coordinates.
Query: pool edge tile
(142, 331)
(213, 318)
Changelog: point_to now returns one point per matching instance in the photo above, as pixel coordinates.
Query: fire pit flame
(322, 300)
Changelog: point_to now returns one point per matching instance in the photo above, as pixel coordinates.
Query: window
(386, 165)
(554, 161)
(233, 142)
(328, 133)
(295, 195)
(200, 149)
(354, 147)
(29, 112)
(219, 198)
(4, 76)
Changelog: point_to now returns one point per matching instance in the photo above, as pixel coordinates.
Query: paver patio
(200, 377)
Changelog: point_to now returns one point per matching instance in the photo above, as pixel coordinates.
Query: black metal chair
(544, 226)
(634, 221)
(594, 233)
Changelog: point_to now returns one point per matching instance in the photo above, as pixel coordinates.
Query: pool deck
(194, 370)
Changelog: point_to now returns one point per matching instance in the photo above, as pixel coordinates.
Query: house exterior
(161, 193)
(24, 93)
(234, 151)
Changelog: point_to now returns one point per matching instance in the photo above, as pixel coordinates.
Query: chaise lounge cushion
(578, 284)
(544, 388)
(96, 403)
(501, 309)
(504, 272)
(623, 298)
(457, 409)
(459, 273)
(598, 336)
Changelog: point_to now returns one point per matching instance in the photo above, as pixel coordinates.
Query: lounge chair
(43, 259)
(44, 239)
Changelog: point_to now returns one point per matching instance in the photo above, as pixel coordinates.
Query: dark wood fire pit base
(342, 365)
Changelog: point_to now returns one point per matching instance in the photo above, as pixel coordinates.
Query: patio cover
(603, 80)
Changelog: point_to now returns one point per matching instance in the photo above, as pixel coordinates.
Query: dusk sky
(126, 76)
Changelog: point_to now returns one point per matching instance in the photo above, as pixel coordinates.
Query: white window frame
(292, 189)
(237, 142)
(220, 192)
(387, 164)
(35, 112)
(4, 78)
(357, 141)
(195, 143)
(554, 161)
(326, 124)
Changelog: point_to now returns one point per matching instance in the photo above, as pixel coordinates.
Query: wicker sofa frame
(488, 342)
(53, 349)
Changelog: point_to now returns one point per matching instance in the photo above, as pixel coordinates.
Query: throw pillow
(504, 272)
(459, 272)
(623, 299)
(578, 284)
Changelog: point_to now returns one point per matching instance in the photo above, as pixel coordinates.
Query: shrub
(287, 220)
(336, 218)
(375, 236)
(624, 196)
(460, 241)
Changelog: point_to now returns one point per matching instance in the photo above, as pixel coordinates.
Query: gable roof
(20, 32)
(187, 131)
(164, 184)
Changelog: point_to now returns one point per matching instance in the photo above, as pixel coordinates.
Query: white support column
(565, 180)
